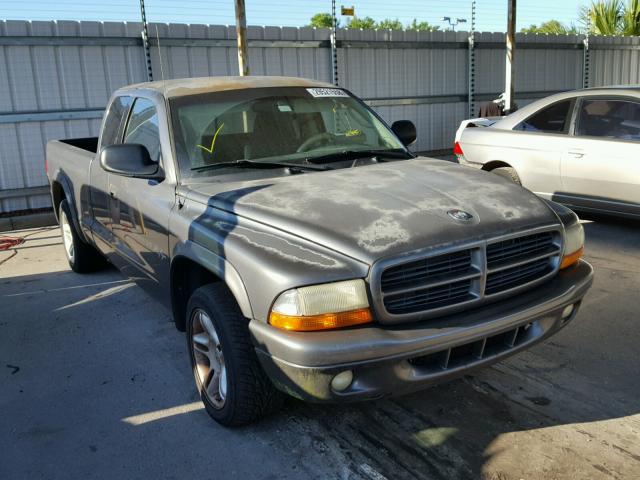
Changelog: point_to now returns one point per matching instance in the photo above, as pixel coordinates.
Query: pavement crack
(15, 368)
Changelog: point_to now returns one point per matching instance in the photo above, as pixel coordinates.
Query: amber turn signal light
(572, 258)
(323, 321)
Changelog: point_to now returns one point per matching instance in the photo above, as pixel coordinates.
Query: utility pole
(145, 41)
(510, 67)
(241, 32)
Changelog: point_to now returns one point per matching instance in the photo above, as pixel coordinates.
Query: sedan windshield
(292, 125)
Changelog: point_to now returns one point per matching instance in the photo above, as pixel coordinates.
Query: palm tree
(612, 17)
(631, 18)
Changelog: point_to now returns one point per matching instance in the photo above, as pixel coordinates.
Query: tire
(239, 392)
(509, 173)
(82, 257)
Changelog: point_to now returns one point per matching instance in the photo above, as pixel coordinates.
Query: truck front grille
(436, 283)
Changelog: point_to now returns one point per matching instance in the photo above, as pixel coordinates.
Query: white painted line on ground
(160, 414)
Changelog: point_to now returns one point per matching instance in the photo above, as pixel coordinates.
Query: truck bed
(71, 159)
(88, 143)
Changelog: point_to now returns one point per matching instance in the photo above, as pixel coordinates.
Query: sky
(490, 16)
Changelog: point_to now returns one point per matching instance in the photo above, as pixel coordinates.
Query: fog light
(341, 381)
(568, 310)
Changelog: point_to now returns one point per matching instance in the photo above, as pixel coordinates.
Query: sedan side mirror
(405, 130)
(130, 160)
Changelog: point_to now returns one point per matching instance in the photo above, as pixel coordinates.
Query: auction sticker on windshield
(327, 92)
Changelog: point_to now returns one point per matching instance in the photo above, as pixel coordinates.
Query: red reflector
(46, 165)
(457, 149)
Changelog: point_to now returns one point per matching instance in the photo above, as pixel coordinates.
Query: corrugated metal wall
(56, 77)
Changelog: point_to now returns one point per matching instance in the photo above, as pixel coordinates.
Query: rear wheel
(82, 257)
(232, 385)
(509, 173)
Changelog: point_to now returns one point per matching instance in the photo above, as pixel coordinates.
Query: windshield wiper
(257, 164)
(355, 154)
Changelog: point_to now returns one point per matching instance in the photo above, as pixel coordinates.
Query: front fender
(257, 261)
(219, 267)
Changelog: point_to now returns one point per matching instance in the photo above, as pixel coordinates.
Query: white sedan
(579, 148)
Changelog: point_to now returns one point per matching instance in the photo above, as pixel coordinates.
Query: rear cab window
(554, 118)
(142, 127)
(609, 118)
(114, 121)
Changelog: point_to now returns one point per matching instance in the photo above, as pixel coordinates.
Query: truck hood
(385, 209)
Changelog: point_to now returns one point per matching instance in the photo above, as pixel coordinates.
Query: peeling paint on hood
(385, 209)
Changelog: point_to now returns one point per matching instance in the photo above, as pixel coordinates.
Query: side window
(114, 122)
(552, 119)
(610, 119)
(143, 128)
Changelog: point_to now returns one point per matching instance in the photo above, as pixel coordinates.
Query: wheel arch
(57, 195)
(62, 189)
(493, 164)
(193, 266)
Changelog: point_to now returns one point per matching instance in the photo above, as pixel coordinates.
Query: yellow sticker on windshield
(353, 133)
(213, 141)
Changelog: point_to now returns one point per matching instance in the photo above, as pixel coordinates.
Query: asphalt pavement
(95, 383)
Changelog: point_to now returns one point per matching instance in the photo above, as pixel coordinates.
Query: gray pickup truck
(304, 249)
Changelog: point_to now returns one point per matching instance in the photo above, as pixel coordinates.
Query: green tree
(365, 23)
(322, 20)
(551, 27)
(422, 26)
(389, 24)
(612, 17)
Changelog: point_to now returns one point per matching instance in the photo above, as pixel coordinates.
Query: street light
(453, 22)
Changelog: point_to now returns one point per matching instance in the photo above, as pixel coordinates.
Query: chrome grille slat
(442, 281)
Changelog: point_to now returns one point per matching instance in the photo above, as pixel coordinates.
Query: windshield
(272, 124)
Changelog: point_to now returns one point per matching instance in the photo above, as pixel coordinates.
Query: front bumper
(401, 359)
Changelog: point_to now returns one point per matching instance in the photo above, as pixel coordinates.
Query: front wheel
(231, 383)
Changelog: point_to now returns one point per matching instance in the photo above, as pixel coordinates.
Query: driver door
(140, 207)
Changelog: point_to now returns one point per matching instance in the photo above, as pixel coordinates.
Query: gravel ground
(95, 383)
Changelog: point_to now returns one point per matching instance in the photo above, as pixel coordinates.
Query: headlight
(573, 245)
(322, 307)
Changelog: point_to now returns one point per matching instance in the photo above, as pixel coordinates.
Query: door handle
(576, 153)
(112, 192)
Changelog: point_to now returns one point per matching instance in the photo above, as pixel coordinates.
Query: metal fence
(56, 77)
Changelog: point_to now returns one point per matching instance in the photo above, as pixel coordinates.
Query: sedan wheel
(209, 368)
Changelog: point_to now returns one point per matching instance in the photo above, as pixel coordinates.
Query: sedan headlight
(573, 245)
(322, 307)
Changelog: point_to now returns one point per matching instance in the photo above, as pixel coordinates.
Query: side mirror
(130, 160)
(405, 130)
